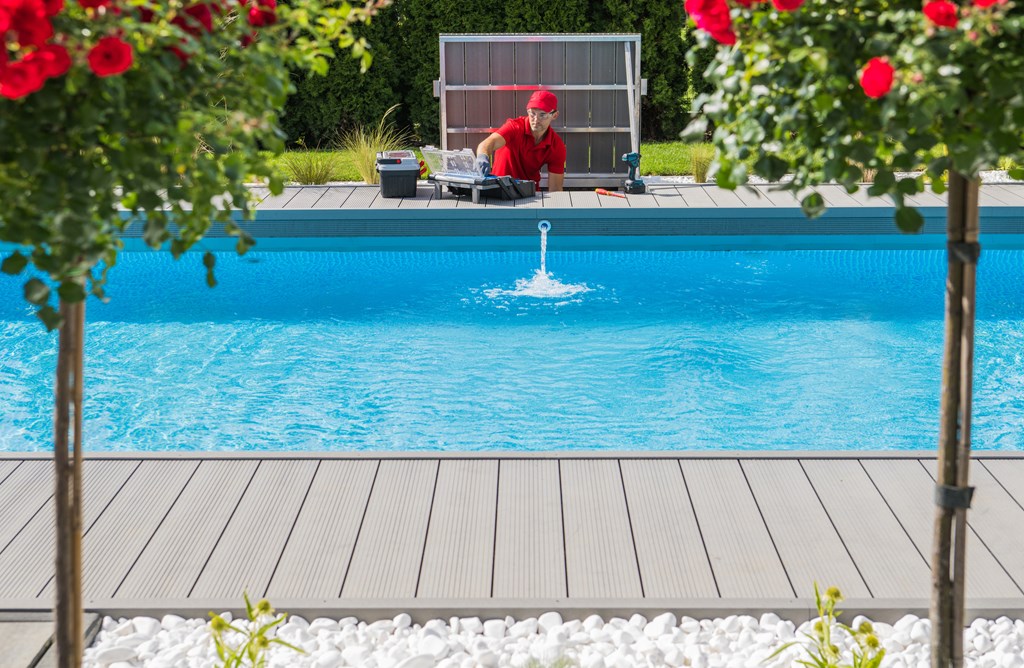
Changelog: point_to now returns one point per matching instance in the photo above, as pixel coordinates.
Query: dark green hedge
(405, 46)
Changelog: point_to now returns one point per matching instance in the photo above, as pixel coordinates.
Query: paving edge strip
(422, 610)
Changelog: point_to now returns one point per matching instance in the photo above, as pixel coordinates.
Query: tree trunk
(68, 495)
(948, 556)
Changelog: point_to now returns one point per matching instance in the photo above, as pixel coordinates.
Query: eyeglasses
(539, 115)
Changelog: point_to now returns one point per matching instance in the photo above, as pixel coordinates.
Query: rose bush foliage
(825, 90)
(162, 110)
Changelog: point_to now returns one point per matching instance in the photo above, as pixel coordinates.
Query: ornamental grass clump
(365, 143)
(701, 156)
(311, 166)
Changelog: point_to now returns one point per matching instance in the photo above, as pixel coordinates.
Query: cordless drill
(633, 185)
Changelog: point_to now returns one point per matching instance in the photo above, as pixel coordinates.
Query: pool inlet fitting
(543, 226)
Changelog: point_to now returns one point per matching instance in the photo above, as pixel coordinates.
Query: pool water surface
(386, 351)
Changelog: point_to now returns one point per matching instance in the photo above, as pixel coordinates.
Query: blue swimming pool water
(693, 350)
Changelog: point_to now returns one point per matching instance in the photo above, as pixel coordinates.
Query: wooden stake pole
(948, 555)
(67, 496)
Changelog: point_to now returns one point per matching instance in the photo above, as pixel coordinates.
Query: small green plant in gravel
(247, 644)
(822, 652)
(364, 144)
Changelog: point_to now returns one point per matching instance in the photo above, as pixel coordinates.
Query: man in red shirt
(525, 144)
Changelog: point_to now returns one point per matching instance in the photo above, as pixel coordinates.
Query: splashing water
(541, 284)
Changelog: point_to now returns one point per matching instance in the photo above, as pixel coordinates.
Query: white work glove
(483, 164)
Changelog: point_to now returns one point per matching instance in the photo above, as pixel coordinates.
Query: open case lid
(456, 163)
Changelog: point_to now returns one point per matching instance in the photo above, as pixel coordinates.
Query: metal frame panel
(597, 77)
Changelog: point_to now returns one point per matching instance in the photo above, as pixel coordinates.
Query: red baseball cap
(543, 100)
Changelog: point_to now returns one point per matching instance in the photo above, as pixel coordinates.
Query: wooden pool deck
(437, 534)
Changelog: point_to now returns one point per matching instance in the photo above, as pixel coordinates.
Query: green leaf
(14, 263)
(909, 220)
(209, 260)
(50, 317)
(695, 131)
(771, 167)
(37, 292)
(70, 291)
(813, 205)
(1017, 173)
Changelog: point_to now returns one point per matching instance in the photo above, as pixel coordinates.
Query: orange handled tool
(602, 191)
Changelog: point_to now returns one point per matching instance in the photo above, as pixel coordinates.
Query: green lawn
(658, 159)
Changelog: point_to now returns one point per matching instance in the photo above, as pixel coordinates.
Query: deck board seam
(894, 514)
(11, 472)
(85, 530)
(359, 531)
(40, 509)
(561, 511)
(700, 531)
(223, 530)
(764, 522)
(291, 530)
(831, 521)
(426, 530)
(156, 529)
(494, 541)
(632, 533)
(998, 482)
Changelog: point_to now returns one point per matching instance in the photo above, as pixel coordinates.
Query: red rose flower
(787, 5)
(246, 40)
(53, 60)
(5, 24)
(94, 4)
(876, 78)
(110, 56)
(941, 12)
(146, 15)
(53, 7)
(264, 13)
(21, 78)
(198, 16)
(711, 16)
(28, 20)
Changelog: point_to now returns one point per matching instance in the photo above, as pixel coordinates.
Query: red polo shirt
(521, 158)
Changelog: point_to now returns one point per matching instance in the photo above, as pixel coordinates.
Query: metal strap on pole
(966, 252)
(953, 498)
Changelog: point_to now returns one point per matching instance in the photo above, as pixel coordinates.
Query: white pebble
(548, 620)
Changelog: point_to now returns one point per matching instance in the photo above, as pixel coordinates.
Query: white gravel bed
(546, 641)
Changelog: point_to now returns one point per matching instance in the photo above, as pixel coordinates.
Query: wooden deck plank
(363, 198)
(266, 513)
(6, 467)
(172, 561)
(458, 558)
(836, 196)
(307, 197)
(27, 563)
(753, 198)
(743, 558)
(909, 491)
(698, 196)
(927, 198)
(1013, 194)
(783, 493)
(335, 198)
(388, 553)
(781, 198)
(865, 523)
(119, 535)
(664, 524)
(862, 199)
(600, 560)
(422, 200)
(279, 201)
(589, 199)
(1009, 473)
(613, 202)
(642, 201)
(991, 194)
(997, 518)
(558, 200)
(529, 549)
(22, 494)
(318, 552)
(535, 202)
